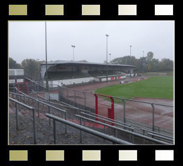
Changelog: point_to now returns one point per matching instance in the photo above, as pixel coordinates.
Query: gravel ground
(45, 131)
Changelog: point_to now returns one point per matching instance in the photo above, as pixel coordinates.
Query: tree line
(143, 64)
(146, 63)
(31, 66)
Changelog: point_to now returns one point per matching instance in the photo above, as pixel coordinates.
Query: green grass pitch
(153, 87)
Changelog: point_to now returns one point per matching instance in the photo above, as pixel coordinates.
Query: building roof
(60, 62)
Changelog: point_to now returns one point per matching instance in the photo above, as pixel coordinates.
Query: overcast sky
(27, 39)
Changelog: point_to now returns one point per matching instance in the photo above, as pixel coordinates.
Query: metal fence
(88, 130)
(152, 116)
(17, 119)
(37, 100)
(79, 99)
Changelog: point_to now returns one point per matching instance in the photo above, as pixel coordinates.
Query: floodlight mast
(73, 50)
(107, 56)
(46, 56)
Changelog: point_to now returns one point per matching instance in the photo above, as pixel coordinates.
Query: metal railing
(44, 103)
(88, 130)
(69, 96)
(34, 117)
(69, 106)
(104, 124)
(126, 131)
(62, 104)
(155, 134)
(113, 122)
(152, 104)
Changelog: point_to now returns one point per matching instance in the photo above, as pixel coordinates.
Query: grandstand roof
(60, 62)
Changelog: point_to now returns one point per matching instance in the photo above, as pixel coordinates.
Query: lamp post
(130, 50)
(73, 50)
(143, 63)
(107, 56)
(46, 55)
(110, 58)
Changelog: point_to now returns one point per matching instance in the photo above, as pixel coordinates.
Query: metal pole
(59, 93)
(84, 99)
(124, 119)
(54, 131)
(49, 113)
(38, 107)
(80, 133)
(152, 116)
(73, 50)
(16, 116)
(46, 55)
(73, 53)
(115, 133)
(34, 127)
(104, 130)
(130, 50)
(74, 97)
(67, 96)
(65, 124)
(107, 56)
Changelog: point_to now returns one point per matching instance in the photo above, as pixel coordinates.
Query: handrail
(105, 118)
(156, 135)
(44, 99)
(66, 105)
(111, 121)
(149, 131)
(104, 124)
(34, 117)
(129, 132)
(49, 106)
(25, 105)
(91, 131)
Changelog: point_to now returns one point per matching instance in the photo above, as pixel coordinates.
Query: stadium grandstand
(72, 72)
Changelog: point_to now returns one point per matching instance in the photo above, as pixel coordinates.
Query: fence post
(84, 99)
(38, 107)
(67, 96)
(16, 116)
(49, 113)
(34, 126)
(124, 119)
(54, 131)
(80, 133)
(38, 87)
(59, 93)
(74, 97)
(112, 109)
(96, 105)
(65, 124)
(152, 116)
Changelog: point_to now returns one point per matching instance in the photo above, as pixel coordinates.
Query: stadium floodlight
(107, 55)
(73, 50)
(110, 57)
(130, 50)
